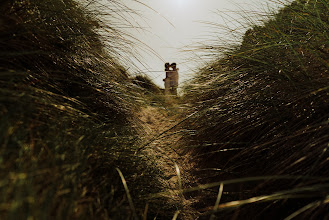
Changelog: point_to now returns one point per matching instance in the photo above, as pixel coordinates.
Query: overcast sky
(170, 27)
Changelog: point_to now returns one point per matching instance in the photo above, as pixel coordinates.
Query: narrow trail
(162, 144)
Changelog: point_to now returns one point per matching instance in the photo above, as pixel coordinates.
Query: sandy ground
(161, 141)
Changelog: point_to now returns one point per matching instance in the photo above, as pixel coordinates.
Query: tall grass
(67, 116)
(153, 94)
(262, 110)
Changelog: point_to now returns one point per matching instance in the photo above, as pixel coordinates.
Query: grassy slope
(263, 111)
(151, 91)
(67, 117)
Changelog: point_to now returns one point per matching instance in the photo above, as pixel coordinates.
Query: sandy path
(161, 143)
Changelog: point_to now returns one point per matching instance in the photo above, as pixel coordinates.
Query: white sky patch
(170, 27)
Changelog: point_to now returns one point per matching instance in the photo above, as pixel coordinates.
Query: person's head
(167, 65)
(173, 66)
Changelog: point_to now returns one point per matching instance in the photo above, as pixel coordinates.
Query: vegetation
(153, 94)
(146, 83)
(262, 111)
(69, 133)
(72, 141)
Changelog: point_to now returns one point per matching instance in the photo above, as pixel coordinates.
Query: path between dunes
(161, 142)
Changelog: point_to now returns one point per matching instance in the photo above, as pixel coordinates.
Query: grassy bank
(67, 115)
(153, 94)
(262, 110)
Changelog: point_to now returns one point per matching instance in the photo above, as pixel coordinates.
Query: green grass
(262, 110)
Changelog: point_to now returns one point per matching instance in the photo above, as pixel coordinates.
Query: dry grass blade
(176, 215)
(179, 178)
(131, 204)
(307, 207)
(219, 196)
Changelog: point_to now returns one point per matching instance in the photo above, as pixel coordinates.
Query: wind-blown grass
(262, 110)
(67, 116)
(154, 95)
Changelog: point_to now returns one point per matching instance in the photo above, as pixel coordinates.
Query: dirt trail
(161, 142)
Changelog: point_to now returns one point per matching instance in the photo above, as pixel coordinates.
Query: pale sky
(172, 27)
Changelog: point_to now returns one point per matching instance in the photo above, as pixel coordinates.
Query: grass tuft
(68, 115)
(261, 109)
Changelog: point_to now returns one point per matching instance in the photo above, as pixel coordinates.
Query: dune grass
(262, 110)
(153, 94)
(70, 138)
(68, 127)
